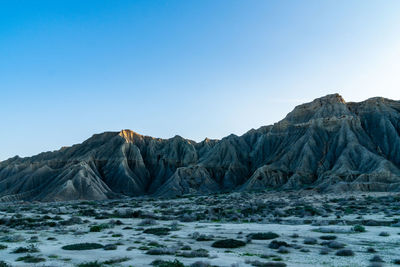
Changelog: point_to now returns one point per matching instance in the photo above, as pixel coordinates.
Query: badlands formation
(326, 145)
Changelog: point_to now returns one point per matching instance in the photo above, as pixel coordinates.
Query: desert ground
(235, 229)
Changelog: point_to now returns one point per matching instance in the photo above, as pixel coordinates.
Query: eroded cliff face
(327, 145)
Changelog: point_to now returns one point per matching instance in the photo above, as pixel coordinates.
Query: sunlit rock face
(325, 145)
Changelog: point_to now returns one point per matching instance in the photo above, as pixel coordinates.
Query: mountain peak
(332, 105)
(332, 98)
(129, 135)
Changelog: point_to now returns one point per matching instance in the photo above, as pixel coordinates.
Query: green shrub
(359, 228)
(160, 251)
(116, 260)
(228, 243)
(263, 236)
(384, 234)
(4, 264)
(198, 253)
(275, 244)
(161, 263)
(95, 228)
(155, 244)
(99, 228)
(157, 231)
(117, 235)
(110, 247)
(82, 246)
(327, 237)
(90, 264)
(345, 252)
(204, 238)
(28, 249)
(30, 259)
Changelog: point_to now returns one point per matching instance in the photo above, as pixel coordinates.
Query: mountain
(326, 145)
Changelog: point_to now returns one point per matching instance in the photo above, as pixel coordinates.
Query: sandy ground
(387, 247)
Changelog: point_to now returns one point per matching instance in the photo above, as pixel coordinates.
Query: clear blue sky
(69, 69)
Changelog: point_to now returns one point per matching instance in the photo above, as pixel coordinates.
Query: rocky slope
(326, 145)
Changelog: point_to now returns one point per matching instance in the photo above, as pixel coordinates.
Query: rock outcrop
(325, 145)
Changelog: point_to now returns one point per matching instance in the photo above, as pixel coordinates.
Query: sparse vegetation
(28, 249)
(31, 259)
(336, 245)
(116, 260)
(198, 253)
(90, 264)
(275, 244)
(384, 233)
(328, 237)
(83, 246)
(4, 264)
(157, 231)
(310, 241)
(161, 263)
(345, 252)
(138, 235)
(228, 243)
(99, 228)
(359, 228)
(263, 236)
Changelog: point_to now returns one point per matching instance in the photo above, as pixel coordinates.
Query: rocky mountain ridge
(325, 145)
